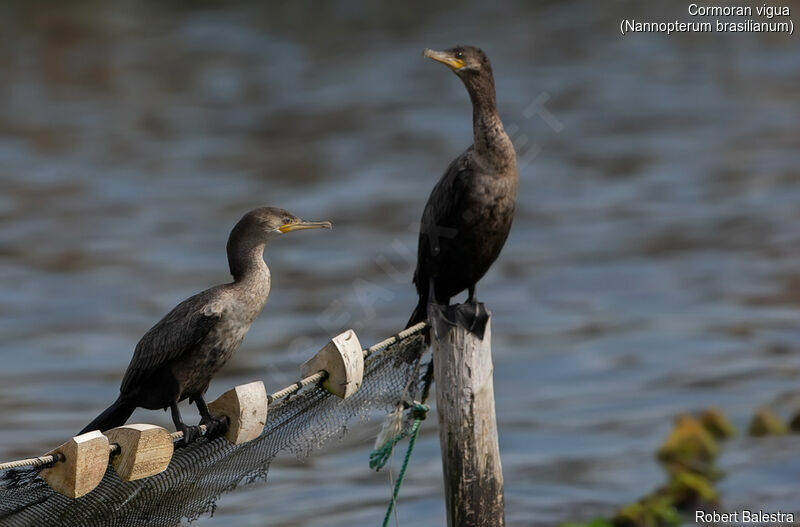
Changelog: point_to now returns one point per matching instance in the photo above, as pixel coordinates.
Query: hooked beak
(445, 58)
(303, 225)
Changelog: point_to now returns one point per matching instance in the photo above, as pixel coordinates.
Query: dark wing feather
(179, 331)
(440, 218)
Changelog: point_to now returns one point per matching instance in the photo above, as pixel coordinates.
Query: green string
(379, 457)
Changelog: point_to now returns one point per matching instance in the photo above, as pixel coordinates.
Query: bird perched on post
(468, 215)
(177, 358)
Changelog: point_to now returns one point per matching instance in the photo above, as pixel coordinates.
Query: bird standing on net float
(468, 215)
(177, 358)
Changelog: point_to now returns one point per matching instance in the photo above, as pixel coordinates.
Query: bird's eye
(287, 220)
(459, 55)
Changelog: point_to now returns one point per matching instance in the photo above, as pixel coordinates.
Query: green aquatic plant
(766, 423)
(794, 424)
(688, 447)
(595, 522)
(717, 423)
(650, 511)
(686, 490)
(687, 455)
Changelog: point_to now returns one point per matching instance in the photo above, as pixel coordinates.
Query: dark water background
(654, 266)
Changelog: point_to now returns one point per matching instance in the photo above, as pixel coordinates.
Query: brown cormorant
(177, 357)
(469, 212)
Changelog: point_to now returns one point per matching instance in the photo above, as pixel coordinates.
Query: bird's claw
(190, 434)
(474, 303)
(215, 425)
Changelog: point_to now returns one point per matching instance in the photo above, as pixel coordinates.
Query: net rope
(302, 418)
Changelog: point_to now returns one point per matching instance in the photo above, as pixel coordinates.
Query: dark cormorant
(469, 212)
(177, 357)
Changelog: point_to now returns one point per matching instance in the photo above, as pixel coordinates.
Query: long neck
(490, 139)
(246, 260)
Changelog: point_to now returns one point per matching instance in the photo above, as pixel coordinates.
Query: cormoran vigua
(177, 358)
(468, 215)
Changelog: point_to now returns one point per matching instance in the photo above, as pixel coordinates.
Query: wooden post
(462, 361)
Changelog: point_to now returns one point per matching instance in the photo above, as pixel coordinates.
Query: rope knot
(419, 411)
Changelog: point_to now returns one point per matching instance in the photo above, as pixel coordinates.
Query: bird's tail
(112, 417)
(420, 312)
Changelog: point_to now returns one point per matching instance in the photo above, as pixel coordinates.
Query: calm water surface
(653, 268)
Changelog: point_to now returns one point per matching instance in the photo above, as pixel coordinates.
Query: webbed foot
(190, 434)
(216, 425)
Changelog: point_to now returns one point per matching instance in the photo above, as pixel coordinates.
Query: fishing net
(200, 473)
